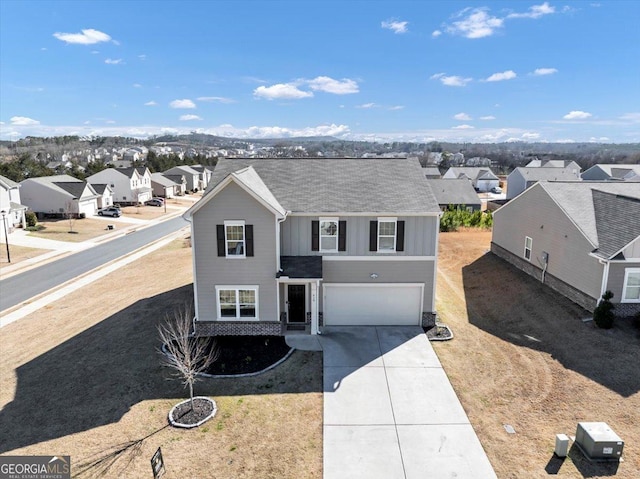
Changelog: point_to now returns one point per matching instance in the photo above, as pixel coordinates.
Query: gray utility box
(597, 441)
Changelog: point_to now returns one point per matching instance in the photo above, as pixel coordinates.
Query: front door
(296, 303)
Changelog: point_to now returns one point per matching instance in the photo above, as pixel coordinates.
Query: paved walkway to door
(390, 411)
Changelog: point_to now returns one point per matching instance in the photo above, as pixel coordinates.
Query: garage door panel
(359, 305)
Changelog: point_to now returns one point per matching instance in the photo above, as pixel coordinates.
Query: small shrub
(35, 228)
(31, 218)
(603, 314)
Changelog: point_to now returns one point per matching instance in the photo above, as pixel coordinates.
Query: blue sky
(415, 71)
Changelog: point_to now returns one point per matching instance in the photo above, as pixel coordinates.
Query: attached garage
(395, 304)
(88, 207)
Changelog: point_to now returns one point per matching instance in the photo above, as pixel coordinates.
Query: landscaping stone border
(175, 423)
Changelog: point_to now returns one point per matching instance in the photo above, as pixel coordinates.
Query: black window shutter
(248, 239)
(400, 236)
(373, 236)
(315, 236)
(342, 236)
(220, 234)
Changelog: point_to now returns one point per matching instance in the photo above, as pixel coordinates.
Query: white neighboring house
(522, 178)
(180, 182)
(163, 186)
(205, 174)
(59, 195)
(106, 194)
(129, 185)
(11, 210)
(192, 176)
(481, 178)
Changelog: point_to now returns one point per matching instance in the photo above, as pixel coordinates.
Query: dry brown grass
(18, 253)
(83, 229)
(522, 356)
(144, 212)
(83, 376)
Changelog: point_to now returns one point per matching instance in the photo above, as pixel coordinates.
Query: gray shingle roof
(614, 221)
(73, 188)
(548, 174)
(431, 172)
(473, 172)
(340, 185)
(454, 191)
(301, 266)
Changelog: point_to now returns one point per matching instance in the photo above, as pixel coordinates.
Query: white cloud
(462, 127)
(367, 106)
(150, 103)
(530, 136)
(436, 33)
(86, 37)
(453, 80)
(488, 117)
(23, 121)
(137, 85)
(396, 107)
(189, 117)
(110, 122)
(395, 26)
(95, 52)
(506, 75)
(602, 139)
(632, 117)
(577, 115)
(337, 87)
(462, 117)
(186, 104)
(474, 23)
(110, 61)
(545, 71)
(535, 11)
(142, 57)
(281, 91)
(218, 99)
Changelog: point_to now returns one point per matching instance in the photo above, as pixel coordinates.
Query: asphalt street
(23, 286)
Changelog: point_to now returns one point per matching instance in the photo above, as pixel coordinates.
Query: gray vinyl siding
(233, 203)
(420, 233)
(616, 278)
(345, 271)
(536, 215)
(516, 184)
(594, 173)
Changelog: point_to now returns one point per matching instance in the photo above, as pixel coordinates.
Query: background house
(522, 178)
(163, 186)
(12, 212)
(129, 185)
(179, 181)
(59, 195)
(579, 238)
(287, 244)
(607, 172)
(191, 176)
(455, 192)
(482, 179)
(431, 172)
(105, 193)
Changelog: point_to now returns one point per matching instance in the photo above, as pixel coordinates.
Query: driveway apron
(390, 411)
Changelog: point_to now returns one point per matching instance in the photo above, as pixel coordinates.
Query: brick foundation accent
(578, 297)
(428, 319)
(246, 328)
(626, 310)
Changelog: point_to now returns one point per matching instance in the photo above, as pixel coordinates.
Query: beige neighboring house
(163, 186)
(59, 195)
(180, 182)
(129, 185)
(579, 238)
(11, 210)
(106, 194)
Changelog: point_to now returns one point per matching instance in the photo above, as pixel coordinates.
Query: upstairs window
(386, 234)
(329, 234)
(235, 239)
(528, 243)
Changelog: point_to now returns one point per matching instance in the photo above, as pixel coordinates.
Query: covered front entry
(298, 289)
(296, 303)
(394, 304)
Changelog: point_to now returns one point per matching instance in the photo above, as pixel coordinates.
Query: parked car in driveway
(496, 189)
(154, 202)
(110, 211)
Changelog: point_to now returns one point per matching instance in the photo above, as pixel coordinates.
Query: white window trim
(395, 236)
(237, 289)
(244, 239)
(530, 248)
(628, 271)
(320, 236)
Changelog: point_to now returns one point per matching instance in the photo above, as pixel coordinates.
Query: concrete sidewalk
(390, 410)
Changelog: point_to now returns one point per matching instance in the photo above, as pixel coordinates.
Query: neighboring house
(612, 173)
(129, 185)
(205, 174)
(105, 193)
(456, 192)
(566, 164)
(580, 238)
(282, 244)
(163, 186)
(190, 175)
(522, 178)
(11, 209)
(482, 179)
(431, 172)
(180, 181)
(59, 195)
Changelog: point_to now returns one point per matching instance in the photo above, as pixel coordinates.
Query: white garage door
(87, 207)
(379, 305)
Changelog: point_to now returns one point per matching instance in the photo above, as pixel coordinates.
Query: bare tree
(69, 214)
(186, 354)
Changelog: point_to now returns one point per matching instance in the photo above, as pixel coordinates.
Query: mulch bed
(439, 332)
(185, 415)
(248, 354)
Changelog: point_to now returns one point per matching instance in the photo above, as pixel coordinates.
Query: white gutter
(279, 221)
(605, 279)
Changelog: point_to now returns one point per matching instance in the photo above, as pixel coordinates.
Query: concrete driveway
(390, 411)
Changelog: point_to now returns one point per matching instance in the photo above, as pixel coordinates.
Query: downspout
(605, 278)
(278, 223)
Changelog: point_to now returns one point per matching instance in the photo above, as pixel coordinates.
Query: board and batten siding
(633, 250)
(616, 278)
(233, 203)
(388, 271)
(420, 234)
(536, 215)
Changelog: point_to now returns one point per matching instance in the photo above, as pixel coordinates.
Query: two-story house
(297, 244)
(191, 176)
(11, 210)
(129, 185)
(59, 195)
